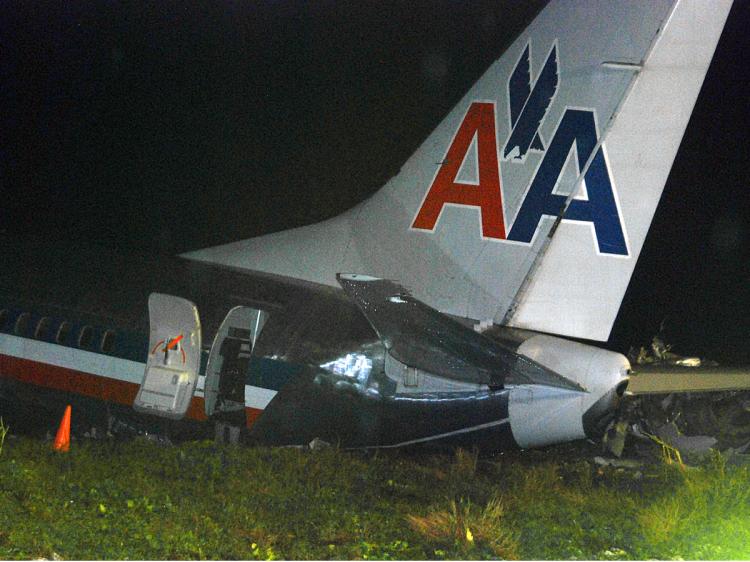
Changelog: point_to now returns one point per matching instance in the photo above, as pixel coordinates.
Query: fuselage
(316, 369)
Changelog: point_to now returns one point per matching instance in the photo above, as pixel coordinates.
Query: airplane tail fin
(529, 204)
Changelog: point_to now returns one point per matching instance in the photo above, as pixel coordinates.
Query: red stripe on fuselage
(94, 386)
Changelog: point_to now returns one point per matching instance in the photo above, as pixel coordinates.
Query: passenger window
(43, 328)
(63, 332)
(22, 324)
(86, 336)
(108, 341)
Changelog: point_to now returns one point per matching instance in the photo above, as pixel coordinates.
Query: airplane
(437, 312)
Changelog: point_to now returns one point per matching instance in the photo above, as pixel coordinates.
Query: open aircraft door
(229, 361)
(174, 357)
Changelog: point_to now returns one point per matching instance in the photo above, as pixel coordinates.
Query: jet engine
(542, 415)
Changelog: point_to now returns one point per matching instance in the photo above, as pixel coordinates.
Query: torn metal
(688, 404)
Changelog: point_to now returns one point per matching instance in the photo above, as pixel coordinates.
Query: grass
(136, 499)
(470, 529)
(3, 434)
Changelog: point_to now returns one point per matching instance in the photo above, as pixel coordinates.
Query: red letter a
(479, 121)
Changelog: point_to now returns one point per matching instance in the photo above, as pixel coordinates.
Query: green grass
(3, 433)
(139, 500)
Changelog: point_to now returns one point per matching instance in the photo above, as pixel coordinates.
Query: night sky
(166, 127)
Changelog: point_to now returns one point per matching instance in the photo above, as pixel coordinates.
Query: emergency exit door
(173, 361)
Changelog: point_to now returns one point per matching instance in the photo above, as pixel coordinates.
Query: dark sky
(166, 126)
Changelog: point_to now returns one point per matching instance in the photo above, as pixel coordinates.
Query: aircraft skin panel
(258, 398)
(80, 360)
(565, 120)
(544, 415)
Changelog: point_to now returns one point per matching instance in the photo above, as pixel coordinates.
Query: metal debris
(737, 455)
(692, 411)
(688, 445)
(661, 353)
(614, 438)
(689, 362)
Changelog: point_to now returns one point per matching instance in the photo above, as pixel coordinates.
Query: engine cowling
(542, 415)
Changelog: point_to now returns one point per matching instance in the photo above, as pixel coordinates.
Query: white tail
(530, 202)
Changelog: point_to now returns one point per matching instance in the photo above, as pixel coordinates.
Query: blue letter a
(577, 126)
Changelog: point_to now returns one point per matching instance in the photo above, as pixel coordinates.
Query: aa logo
(575, 137)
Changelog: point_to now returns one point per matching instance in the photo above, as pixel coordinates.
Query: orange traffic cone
(62, 440)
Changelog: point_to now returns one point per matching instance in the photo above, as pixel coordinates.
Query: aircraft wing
(666, 378)
(421, 337)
